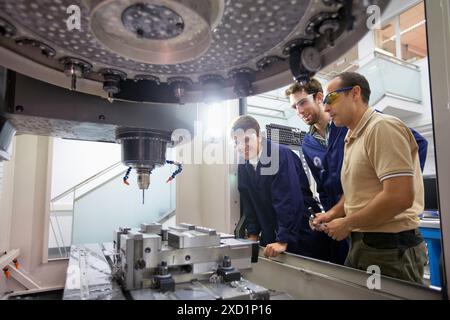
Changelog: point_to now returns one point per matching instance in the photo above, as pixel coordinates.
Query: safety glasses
(333, 96)
(301, 103)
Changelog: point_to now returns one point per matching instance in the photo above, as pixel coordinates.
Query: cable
(176, 172)
(125, 178)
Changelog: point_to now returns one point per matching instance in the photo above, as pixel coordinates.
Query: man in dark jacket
(275, 195)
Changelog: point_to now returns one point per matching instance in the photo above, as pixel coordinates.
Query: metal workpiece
(199, 41)
(226, 236)
(184, 225)
(239, 252)
(89, 275)
(152, 227)
(182, 239)
(189, 227)
(205, 230)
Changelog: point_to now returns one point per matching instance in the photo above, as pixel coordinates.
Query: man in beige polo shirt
(382, 184)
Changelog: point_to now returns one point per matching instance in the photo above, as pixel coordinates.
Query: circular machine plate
(161, 32)
(163, 39)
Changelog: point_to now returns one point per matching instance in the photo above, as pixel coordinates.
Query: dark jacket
(276, 204)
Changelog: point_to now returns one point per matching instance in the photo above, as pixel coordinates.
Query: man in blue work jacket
(323, 148)
(275, 195)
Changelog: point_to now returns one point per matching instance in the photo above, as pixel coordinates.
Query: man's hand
(274, 249)
(338, 229)
(319, 220)
(253, 237)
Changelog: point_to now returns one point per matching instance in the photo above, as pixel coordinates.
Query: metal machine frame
(438, 22)
(323, 279)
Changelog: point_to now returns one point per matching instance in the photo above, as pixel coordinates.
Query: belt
(380, 240)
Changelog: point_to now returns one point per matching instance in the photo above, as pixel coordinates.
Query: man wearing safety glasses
(382, 185)
(323, 148)
(275, 194)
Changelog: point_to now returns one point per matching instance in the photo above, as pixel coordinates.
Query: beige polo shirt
(379, 148)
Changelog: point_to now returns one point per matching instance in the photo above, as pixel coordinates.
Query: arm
(337, 211)
(286, 200)
(422, 143)
(252, 237)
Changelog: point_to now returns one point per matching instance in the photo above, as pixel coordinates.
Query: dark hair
(245, 123)
(311, 87)
(351, 79)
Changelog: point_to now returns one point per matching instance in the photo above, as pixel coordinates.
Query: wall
(207, 193)
(24, 211)
(7, 181)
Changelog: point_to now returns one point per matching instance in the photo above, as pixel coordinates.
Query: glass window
(413, 33)
(385, 39)
(410, 25)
